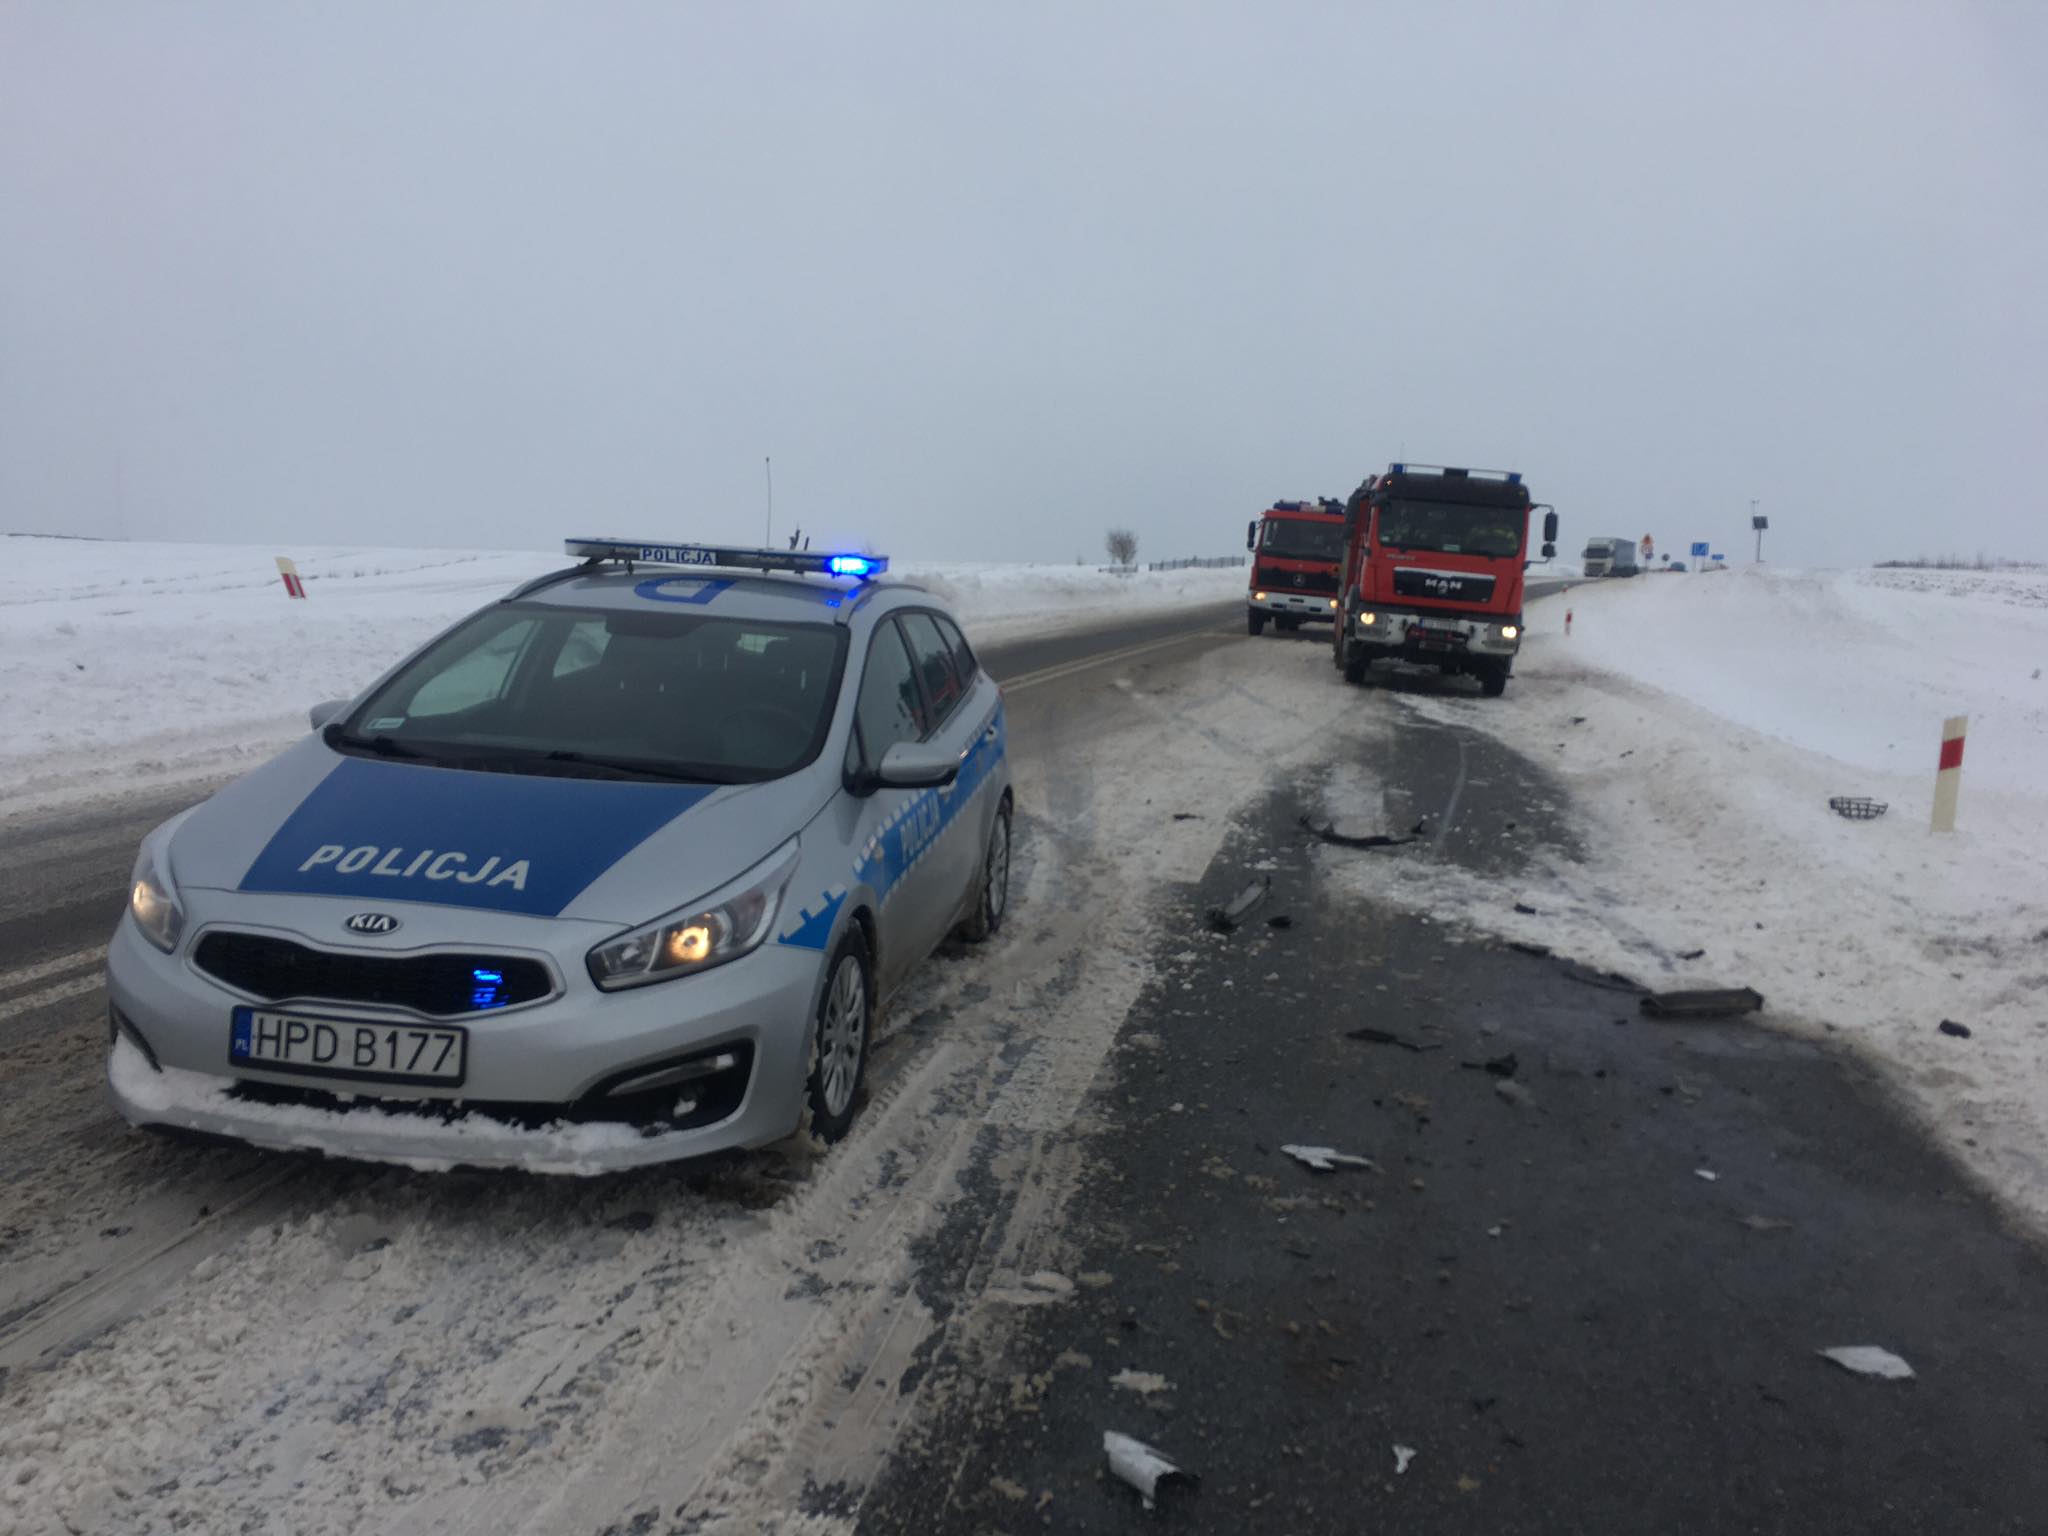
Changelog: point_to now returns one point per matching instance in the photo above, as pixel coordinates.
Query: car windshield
(1451, 528)
(538, 688)
(1293, 538)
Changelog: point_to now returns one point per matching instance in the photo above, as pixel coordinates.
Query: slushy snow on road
(1701, 724)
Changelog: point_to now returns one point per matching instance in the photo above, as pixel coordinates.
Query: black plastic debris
(1694, 954)
(1373, 1036)
(1497, 1066)
(1279, 920)
(1328, 833)
(1857, 807)
(1951, 1027)
(1186, 816)
(1523, 946)
(1711, 1003)
(1225, 919)
(1525, 909)
(1611, 981)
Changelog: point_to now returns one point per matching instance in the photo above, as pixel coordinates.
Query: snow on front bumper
(1314, 605)
(1390, 629)
(556, 1053)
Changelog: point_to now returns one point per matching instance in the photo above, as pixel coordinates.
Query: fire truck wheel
(1493, 681)
(1285, 624)
(1255, 622)
(1355, 663)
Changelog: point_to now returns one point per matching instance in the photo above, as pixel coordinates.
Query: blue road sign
(1699, 551)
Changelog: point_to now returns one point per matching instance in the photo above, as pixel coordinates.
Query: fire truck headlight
(1260, 596)
(1333, 602)
(1368, 618)
(1509, 632)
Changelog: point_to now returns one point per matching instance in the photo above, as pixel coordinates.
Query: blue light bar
(1508, 476)
(803, 561)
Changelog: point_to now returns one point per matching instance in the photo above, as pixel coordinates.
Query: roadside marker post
(1567, 621)
(1948, 778)
(293, 587)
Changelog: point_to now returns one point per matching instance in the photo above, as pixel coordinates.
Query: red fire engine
(1432, 571)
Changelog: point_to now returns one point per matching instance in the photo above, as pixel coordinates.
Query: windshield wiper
(678, 775)
(381, 744)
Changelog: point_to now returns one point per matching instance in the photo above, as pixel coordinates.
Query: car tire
(839, 1041)
(1255, 623)
(992, 899)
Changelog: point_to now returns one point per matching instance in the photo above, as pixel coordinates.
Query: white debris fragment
(1034, 1290)
(1326, 1158)
(1403, 1454)
(1145, 1383)
(1705, 1173)
(1869, 1360)
(1138, 1464)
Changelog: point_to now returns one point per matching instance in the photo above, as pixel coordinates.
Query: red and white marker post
(293, 587)
(1948, 779)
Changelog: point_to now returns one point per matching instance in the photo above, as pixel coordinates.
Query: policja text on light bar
(803, 561)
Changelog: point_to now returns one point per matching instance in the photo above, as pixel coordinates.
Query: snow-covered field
(1701, 724)
(123, 664)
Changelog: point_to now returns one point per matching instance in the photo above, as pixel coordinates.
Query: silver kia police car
(615, 871)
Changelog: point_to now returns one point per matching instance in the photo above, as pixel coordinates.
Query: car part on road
(1869, 1360)
(1712, 1003)
(1403, 1454)
(1225, 919)
(1857, 807)
(1327, 1159)
(1328, 833)
(1139, 1465)
(1373, 1036)
(1951, 1027)
(1497, 1066)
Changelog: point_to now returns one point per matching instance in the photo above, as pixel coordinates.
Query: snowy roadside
(1702, 724)
(124, 666)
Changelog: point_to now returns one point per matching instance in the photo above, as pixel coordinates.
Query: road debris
(1612, 981)
(1857, 807)
(1951, 1027)
(1403, 1454)
(1225, 919)
(1514, 1093)
(1328, 833)
(1524, 947)
(1144, 1383)
(1869, 1360)
(1766, 1223)
(1713, 1003)
(1496, 1066)
(1138, 1464)
(1525, 909)
(1034, 1290)
(1324, 1159)
(1280, 920)
(1373, 1036)
(1693, 954)
(1708, 1174)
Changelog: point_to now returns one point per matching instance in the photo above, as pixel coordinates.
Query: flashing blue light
(489, 991)
(1396, 469)
(850, 565)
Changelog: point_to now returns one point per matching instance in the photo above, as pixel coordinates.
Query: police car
(615, 871)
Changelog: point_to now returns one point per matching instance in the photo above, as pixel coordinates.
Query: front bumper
(1306, 605)
(1401, 632)
(560, 1052)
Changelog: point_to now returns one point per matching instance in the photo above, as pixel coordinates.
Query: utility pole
(768, 523)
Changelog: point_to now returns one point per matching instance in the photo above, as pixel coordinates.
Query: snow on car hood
(316, 823)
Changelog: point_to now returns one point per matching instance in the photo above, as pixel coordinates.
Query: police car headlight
(153, 902)
(725, 925)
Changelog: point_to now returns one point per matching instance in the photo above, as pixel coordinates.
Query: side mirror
(918, 765)
(1550, 528)
(1251, 534)
(328, 710)
(1549, 551)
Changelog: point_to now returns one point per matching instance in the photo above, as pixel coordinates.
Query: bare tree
(1122, 545)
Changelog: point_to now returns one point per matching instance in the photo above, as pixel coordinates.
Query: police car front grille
(277, 969)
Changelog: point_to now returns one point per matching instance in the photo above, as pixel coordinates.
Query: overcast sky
(985, 279)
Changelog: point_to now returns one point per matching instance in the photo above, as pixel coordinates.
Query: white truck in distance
(1610, 557)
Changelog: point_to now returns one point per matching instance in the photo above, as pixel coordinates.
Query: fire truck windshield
(1449, 528)
(1287, 538)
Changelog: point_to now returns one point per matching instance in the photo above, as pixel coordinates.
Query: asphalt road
(1589, 1301)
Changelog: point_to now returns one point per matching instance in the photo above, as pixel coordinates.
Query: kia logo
(372, 922)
